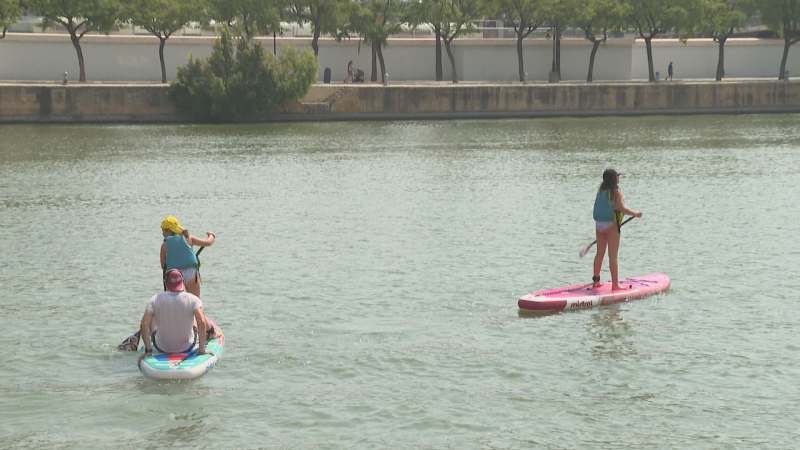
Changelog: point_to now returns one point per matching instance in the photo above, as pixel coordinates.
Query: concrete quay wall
(554, 100)
(88, 103)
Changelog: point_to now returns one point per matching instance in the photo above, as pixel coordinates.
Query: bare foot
(619, 288)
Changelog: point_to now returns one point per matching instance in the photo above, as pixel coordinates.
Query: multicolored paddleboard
(584, 296)
(180, 366)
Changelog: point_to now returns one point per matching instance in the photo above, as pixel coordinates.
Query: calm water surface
(367, 275)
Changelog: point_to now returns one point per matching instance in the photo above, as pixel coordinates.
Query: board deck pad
(583, 296)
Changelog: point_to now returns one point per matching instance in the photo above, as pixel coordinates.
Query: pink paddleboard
(584, 296)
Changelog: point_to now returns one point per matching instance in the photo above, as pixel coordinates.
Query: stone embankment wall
(566, 100)
(86, 103)
(148, 103)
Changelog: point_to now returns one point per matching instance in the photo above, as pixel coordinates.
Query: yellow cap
(172, 224)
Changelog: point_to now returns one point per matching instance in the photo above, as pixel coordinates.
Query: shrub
(242, 84)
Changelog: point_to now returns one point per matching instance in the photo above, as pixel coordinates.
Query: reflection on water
(611, 333)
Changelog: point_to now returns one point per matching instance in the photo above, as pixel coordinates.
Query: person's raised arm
(210, 238)
(624, 209)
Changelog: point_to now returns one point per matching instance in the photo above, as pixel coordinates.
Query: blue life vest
(603, 209)
(179, 254)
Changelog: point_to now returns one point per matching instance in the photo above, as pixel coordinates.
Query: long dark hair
(609, 183)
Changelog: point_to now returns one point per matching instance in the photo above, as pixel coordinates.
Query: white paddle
(586, 249)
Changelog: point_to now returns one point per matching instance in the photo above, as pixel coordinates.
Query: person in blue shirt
(177, 253)
(609, 209)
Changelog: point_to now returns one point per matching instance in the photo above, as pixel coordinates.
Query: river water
(366, 276)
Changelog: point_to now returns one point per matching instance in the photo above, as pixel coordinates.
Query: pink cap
(174, 281)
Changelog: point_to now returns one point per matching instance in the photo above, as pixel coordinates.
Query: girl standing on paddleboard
(177, 253)
(609, 209)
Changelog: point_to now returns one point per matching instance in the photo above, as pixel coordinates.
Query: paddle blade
(129, 344)
(586, 249)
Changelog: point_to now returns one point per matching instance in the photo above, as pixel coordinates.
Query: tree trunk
(721, 60)
(374, 76)
(383, 64)
(315, 41)
(439, 71)
(519, 55)
(161, 43)
(786, 44)
(555, 74)
(76, 42)
(452, 60)
(558, 56)
(648, 42)
(595, 46)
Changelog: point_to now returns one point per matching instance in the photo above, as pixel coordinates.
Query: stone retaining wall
(148, 102)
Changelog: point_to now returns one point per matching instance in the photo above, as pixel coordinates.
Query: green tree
(597, 18)
(719, 19)
(458, 21)
(783, 17)
(430, 12)
(161, 18)
(78, 17)
(375, 21)
(9, 14)
(297, 71)
(526, 16)
(240, 81)
(654, 17)
(324, 16)
(250, 17)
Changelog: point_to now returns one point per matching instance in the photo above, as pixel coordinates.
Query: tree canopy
(783, 17)
(249, 17)
(324, 16)
(9, 14)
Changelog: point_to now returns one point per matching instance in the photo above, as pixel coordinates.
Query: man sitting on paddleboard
(178, 316)
(609, 208)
